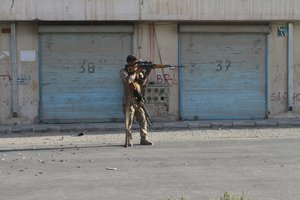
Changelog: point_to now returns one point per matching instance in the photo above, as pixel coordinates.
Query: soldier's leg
(129, 114)
(141, 118)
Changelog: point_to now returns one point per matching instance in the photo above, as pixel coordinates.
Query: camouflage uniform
(131, 107)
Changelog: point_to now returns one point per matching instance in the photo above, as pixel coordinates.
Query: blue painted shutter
(80, 76)
(224, 77)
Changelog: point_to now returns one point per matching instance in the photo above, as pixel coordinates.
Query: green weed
(228, 196)
(182, 198)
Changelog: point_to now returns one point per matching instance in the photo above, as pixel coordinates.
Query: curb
(108, 127)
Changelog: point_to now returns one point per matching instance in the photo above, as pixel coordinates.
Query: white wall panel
(190, 10)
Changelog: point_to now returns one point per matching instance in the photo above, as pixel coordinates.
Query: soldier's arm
(126, 77)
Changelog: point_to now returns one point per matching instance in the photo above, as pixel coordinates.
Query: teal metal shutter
(225, 77)
(79, 68)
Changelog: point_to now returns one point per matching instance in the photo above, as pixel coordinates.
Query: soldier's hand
(132, 77)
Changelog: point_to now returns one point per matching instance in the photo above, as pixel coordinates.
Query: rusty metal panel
(225, 76)
(80, 76)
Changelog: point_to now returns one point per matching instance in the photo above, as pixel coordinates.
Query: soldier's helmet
(131, 58)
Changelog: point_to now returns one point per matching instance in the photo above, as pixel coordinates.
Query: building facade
(60, 60)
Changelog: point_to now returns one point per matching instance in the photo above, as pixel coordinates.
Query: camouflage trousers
(139, 114)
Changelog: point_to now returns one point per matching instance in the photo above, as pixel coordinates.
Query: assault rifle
(145, 65)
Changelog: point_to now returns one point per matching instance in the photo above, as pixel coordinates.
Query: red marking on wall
(283, 96)
(165, 79)
(5, 76)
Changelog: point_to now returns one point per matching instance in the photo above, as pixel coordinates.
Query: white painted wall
(5, 75)
(158, 10)
(277, 72)
(28, 72)
(278, 69)
(220, 10)
(157, 42)
(27, 62)
(297, 66)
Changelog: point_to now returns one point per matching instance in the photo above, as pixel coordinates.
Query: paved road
(260, 168)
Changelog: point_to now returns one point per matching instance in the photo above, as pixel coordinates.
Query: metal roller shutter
(225, 77)
(79, 68)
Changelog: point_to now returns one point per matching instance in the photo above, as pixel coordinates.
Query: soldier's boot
(130, 144)
(128, 141)
(145, 141)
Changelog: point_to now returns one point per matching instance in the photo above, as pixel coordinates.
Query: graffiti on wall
(5, 77)
(87, 67)
(282, 97)
(22, 79)
(166, 79)
(223, 65)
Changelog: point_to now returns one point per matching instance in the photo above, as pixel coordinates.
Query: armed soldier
(133, 102)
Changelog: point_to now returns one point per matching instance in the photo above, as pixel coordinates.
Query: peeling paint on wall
(34, 85)
(4, 54)
(5, 77)
(297, 70)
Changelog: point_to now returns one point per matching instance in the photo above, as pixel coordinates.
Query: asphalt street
(258, 168)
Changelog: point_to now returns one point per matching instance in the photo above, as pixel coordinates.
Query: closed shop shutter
(225, 77)
(80, 73)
